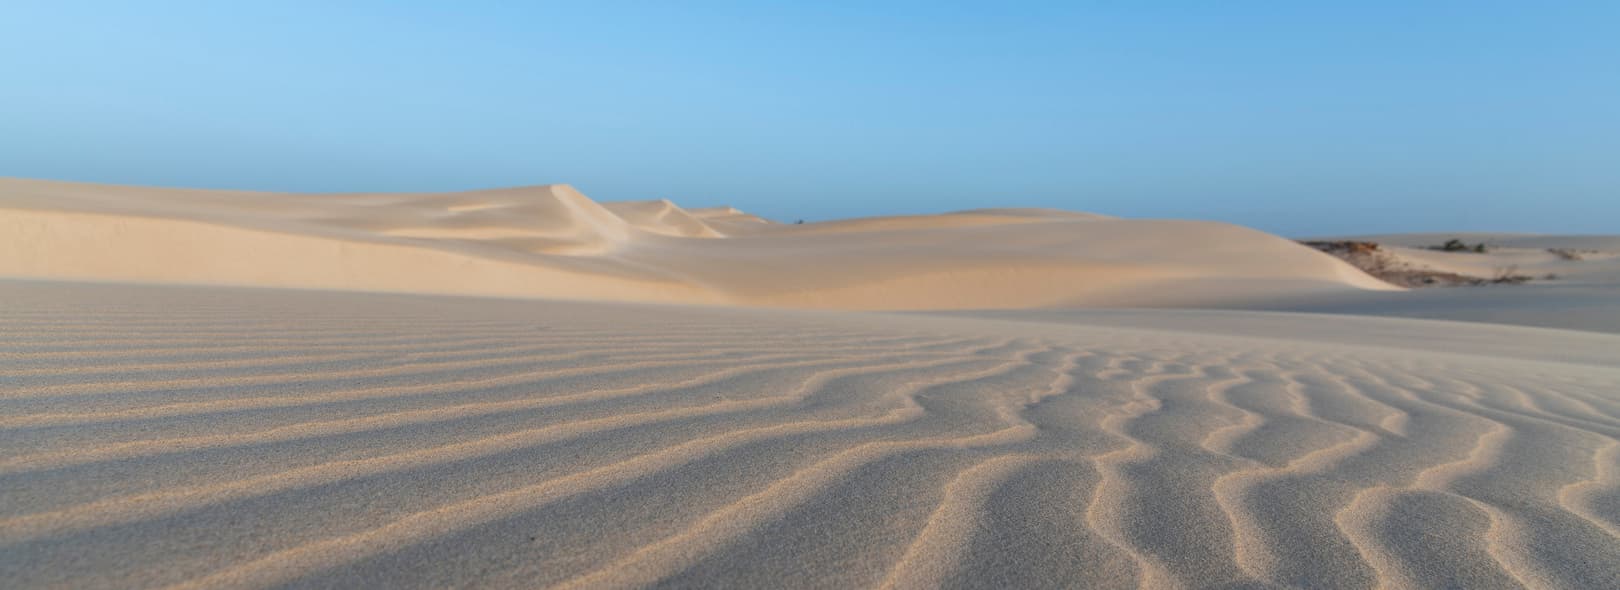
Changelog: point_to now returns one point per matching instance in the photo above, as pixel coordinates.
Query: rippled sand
(202, 437)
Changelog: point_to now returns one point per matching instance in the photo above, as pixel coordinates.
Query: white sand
(207, 436)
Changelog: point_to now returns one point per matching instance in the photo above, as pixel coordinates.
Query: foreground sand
(203, 437)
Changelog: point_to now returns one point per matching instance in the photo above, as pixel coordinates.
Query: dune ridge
(202, 437)
(663, 217)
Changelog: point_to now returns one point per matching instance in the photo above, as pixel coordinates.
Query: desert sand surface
(523, 388)
(203, 437)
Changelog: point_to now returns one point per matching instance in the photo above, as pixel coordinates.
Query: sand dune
(553, 242)
(197, 437)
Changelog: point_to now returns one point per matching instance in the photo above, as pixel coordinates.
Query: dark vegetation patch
(1571, 253)
(1456, 245)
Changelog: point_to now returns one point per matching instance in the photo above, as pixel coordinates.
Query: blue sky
(1302, 118)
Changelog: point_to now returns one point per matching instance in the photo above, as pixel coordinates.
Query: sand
(272, 417)
(1573, 282)
(553, 242)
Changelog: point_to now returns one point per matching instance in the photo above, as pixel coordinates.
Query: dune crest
(662, 217)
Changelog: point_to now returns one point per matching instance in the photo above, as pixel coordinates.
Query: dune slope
(197, 437)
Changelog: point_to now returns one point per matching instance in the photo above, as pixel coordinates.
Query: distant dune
(216, 389)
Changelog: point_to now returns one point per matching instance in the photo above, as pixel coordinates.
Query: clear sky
(1297, 117)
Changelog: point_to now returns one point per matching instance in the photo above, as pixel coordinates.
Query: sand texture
(204, 437)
